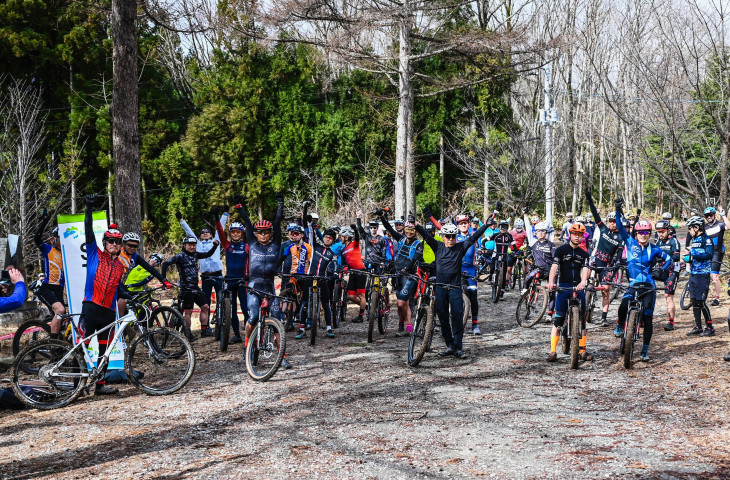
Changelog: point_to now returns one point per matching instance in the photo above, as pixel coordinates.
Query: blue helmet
(710, 211)
(294, 227)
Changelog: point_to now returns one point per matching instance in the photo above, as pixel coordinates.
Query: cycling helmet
(577, 227)
(347, 232)
(710, 211)
(398, 221)
(409, 225)
(315, 217)
(662, 225)
(580, 219)
(55, 232)
(504, 224)
(157, 257)
(569, 214)
(190, 240)
(236, 226)
(491, 221)
(541, 226)
(112, 233)
(131, 236)
(611, 216)
(462, 218)
(643, 226)
(589, 216)
(262, 225)
(519, 224)
(667, 216)
(475, 220)
(696, 221)
(535, 219)
(330, 232)
(429, 227)
(631, 216)
(336, 229)
(373, 224)
(449, 229)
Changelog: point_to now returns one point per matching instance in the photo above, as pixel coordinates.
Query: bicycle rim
(40, 388)
(226, 327)
(372, 314)
(263, 356)
(684, 302)
(630, 336)
(160, 362)
(575, 334)
(314, 312)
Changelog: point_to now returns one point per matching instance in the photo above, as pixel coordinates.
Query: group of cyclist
(255, 253)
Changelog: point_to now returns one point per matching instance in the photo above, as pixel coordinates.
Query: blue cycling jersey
(640, 260)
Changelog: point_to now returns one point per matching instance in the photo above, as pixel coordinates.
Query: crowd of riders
(255, 253)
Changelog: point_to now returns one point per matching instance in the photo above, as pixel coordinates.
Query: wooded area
(361, 103)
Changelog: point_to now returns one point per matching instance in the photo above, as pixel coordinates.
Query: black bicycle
(267, 344)
(499, 276)
(223, 318)
(339, 298)
(634, 322)
(572, 330)
(312, 304)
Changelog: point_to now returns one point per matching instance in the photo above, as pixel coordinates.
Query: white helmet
(346, 232)
(449, 229)
(589, 216)
(314, 216)
(569, 214)
(580, 219)
(667, 216)
(131, 236)
(541, 226)
(519, 224)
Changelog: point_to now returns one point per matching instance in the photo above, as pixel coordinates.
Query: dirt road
(353, 410)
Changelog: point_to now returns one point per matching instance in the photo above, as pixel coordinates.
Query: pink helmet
(462, 218)
(643, 226)
(409, 224)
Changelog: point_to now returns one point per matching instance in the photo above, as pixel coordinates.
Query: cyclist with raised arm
(138, 277)
(670, 246)
(376, 252)
(449, 301)
(51, 291)
(569, 270)
(236, 250)
(352, 259)
(17, 298)
(715, 229)
(408, 253)
(699, 254)
(263, 261)
(187, 269)
(130, 259)
(607, 248)
(300, 254)
(503, 242)
(642, 259)
(322, 264)
(519, 245)
(542, 255)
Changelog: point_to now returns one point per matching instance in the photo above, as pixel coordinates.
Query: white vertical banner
(73, 249)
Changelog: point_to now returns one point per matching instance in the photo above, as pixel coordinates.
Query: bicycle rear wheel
(372, 314)
(497, 284)
(31, 331)
(41, 382)
(160, 362)
(266, 349)
(383, 314)
(532, 306)
(336, 306)
(630, 337)
(420, 336)
(314, 312)
(171, 318)
(467, 309)
(684, 301)
(618, 277)
(575, 335)
(590, 297)
(226, 315)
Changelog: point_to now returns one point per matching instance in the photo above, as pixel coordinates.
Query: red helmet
(577, 227)
(112, 233)
(643, 226)
(262, 225)
(462, 218)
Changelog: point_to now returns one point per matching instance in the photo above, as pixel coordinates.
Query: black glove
(638, 214)
(178, 215)
(215, 211)
(308, 219)
(353, 227)
(499, 205)
(411, 218)
(91, 199)
(238, 199)
(427, 212)
(619, 204)
(279, 197)
(379, 212)
(304, 203)
(525, 210)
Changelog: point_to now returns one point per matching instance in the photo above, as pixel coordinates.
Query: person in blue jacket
(699, 253)
(16, 299)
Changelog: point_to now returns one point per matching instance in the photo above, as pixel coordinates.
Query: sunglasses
(643, 233)
(294, 233)
(450, 237)
(263, 232)
(373, 228)
(114, 241)
(132, 245)
(409, 230)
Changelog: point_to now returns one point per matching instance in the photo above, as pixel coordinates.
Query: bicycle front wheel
(383, 314)
(467, 309)
(266, 349)
(372, 314)
(314, 313)
(160, 362)
(226, 315)
(497, 284)
(420, 336)
(41, 381)
(30, 331)
(170, 317)
(630, 337)
(532, 306)
(575, 335)
(684, 301)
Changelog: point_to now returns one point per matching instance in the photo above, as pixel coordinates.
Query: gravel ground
(353, 410)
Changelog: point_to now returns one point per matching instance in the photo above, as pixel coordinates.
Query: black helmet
(661, 225)
(330, 232)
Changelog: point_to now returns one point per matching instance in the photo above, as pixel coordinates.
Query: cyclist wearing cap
(570, 268)
(642, 259)
(542, 255)
(211, 268)
(236, 250)
(670, 246)
(51, 290)
(399, 225)
(715, 230)
(608, 244)
(408, 253)
(468, 266)
(667, 217)
(352, 259)
(300, 253)
(699, 255)
(519, 245)
(376, 246)
(449, 302)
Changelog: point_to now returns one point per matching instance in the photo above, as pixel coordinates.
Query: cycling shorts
(604, 274)
(699, 286)
(50, 294)
(717, 262)
(356, 283)
(191, 298)
(405, 287)
(670, 286)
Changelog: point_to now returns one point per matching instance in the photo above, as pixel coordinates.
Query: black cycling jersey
(323, 259)
(263, 260)
(570, 262)
(187, 266)
(502, 242)
(376, 246)
(448, 260)
(608, 241)
(408, 252)
(670, 246)
(542, 254)
(716, 231)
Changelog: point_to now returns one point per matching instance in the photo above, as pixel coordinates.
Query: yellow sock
(554, 343)
(582, 344)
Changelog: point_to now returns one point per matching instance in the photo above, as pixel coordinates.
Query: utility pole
(548, 116)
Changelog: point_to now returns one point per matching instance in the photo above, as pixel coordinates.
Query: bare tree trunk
(723, 172)
(110, 194)
(125, 108)
(441, 170)
(405, 106)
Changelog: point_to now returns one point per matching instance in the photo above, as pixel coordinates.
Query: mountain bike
(291, 300)
(572, 330)
(159, 361)
(518, 271)
(179, 324)
(266, 347)
(223, 317)
(339, 298)
(467, 302)
(498, 279)
(378, 306)
(312, 305)
(484, 264)
(420, 338)
(533, 303)
(634, 322)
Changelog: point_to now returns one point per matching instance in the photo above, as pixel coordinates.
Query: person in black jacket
(449, 254)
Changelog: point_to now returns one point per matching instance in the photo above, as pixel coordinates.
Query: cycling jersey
(407, 252)
(428, 255)
(351, 256)
(301, 256)
(468, 259)
(570, 262)
(640, 260)
(137, 278)
(376, 246)
(670, 246)
(542, 254)
(212, 265)
(323, 260)
(716, 232)
(502, 242)
(488, 233)
(236, 254)
(449, 260)
(701, 249)
(52, 257)
(263, 260)
(103, 273)
(187, 267)
(518, 238)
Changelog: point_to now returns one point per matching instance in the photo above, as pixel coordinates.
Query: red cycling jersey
(352, 256)
(519, 238)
